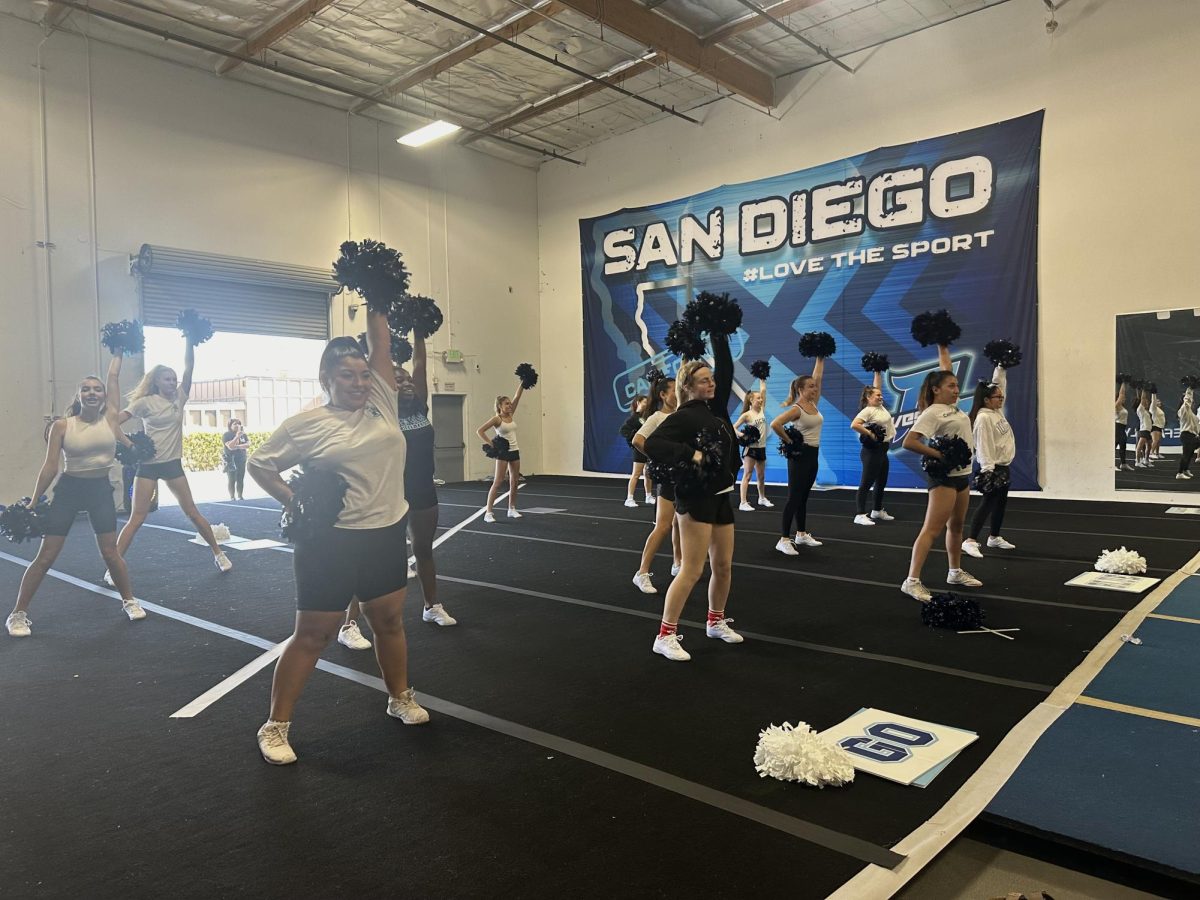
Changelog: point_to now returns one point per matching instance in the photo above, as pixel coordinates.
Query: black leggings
(875, 472)
(1121, 442)
(993, 505)
(1190, 444)
(235, 471)
(802, 474)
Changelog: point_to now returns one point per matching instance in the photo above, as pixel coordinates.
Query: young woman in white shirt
(356, 435)
(1189, 434)
(159, 400)
(874, 454)
(803, 396)
(1141, 452)
(663, 401)
(754, 456)
(948, 494)
(1122, 425)
(508, 463)
(995, 449)
(1158, 421)
(80, 445)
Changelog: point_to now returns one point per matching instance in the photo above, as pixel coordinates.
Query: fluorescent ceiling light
(429, 133)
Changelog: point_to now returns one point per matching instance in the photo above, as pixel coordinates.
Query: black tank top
(418, 434)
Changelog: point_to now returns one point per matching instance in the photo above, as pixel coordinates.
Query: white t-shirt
(1144, 418)
(163, 421)
(651, 424)
(366, 447)
(879, 416)
(942, 419)
(1158, 417)
(995, 444)
(1187, 416)
(1122, 416)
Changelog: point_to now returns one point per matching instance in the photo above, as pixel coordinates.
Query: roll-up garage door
(252, 296)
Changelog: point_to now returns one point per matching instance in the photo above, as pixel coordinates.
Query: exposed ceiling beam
(753, 20)
(564, 98)
(509, 30)
(681, 46)
(55, 13)
(789, 30)
(275, 31)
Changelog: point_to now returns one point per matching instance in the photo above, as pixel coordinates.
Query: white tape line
(219, 690)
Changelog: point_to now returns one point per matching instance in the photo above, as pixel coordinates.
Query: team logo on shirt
(372, 410)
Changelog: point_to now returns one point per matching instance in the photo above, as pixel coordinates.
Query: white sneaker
(221, 561)
(745, 507)
(863, 519)
(412, 573)
(962, 577)
(971, 548)
(1117, 468)
(786, 547)
(437, 613)
(675, 569)
(1126, 468)
(763, 501)
(882, 515)
(1181, 477)
(668, 646)
(630, 502)
(273, 743)
(513, 514)
(107, 579)
(1142, 465)
(916, 590)
(1188, 475)
(489, 518)
(1001, 543)
(720, 629)
(133, 609)
(407, 709)
(18, 624)
(349, 635)
(650, 501)
(804, 539)
(642, 580)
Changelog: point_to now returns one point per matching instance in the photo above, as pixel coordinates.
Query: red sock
(714, 616)
(666, 629)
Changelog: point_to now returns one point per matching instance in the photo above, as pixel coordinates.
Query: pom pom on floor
(749, 435)
(317, 500)
(713, 313)
(1122, 562)
(760, 369)
(990, 482)
(800, 754)
(221, 532)
(684, 340)
(124, 338)
(194, 327)
(140, 451)
(795, 448)
(875, 362)
(374, 271)
(935, 328)
(951, 611)
(1005, 354)
(497, 448)
(955, 455)
(817, 344)
(22, 522)
(878, 435)
(528, 375)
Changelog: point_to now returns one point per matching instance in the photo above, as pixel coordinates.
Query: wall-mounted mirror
(1157, 393)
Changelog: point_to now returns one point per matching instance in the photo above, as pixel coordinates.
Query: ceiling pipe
(779, 23)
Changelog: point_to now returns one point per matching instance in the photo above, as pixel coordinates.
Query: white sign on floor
(1110, 581)
(898, 748)
(1184, 510)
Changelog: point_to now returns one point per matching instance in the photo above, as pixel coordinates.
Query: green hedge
(202, 449)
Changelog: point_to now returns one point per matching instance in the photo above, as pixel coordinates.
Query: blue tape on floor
(1184, 600)
(1115, 781)
(1161, 673)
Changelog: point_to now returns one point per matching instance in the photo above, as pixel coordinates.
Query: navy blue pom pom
(374, 271)
(415, 313)
(817, 344)
(684, 340)
(878, 435)
(317, 500)
(528, 375)
(692, 479)
(713, 313)
(956, 454)
(124, 338)
(497, 448)
(760, 369)
(749, 435)
(194, 326)
(935, 328)
(21, 522)
(142, 449)
(990, 482)
(875, 362)
(796, 447)
(951, 611)
(1005, 354)
(401, 350)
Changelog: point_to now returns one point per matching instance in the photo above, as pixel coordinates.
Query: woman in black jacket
(704, 513)
(637, 416)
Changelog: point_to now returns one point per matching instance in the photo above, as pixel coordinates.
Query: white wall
(1120, 83)
(184, 159)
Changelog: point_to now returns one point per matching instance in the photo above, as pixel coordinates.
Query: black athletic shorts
(73, 495)
(639, 457)
(756, 453)
(509, 456)
(1145, 435)
(1156, 428)
(665, 491)
(712, 510)
(421, 494)
(343, 563)
(172, 468)
(958, 482)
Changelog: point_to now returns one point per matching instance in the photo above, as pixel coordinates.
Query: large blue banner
(856, 248)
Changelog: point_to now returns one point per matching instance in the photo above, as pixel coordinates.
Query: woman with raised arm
(1122, 423)
(1189, 433)
(948, 494)
(357, 436)
(81, 446)
(705, 514)
(995, 449)
(639, 409)
(1141, 453)
(159, 400)
(874, 452)
(236, 444)
(1158, 421)
(662, 404)
(754, 456)
(508, 461)
(804, 394)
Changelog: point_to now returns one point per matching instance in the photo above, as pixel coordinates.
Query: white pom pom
(799, 754)
(221, 532)
(1123, 562)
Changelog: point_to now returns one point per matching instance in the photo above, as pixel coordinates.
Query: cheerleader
(159, 400)
(874, 453)
(948, 494)
(1189, 434)
(81, 445)
(1122, 423)
(705, 519)
(1158, 421)
(639, 409)
(803, 396)
(754, 457)
(1141, 453)
(509, 461)
(662, 404)
(995, 448)
(356, 435)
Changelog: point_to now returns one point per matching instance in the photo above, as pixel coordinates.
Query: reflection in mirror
(1157, 393)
